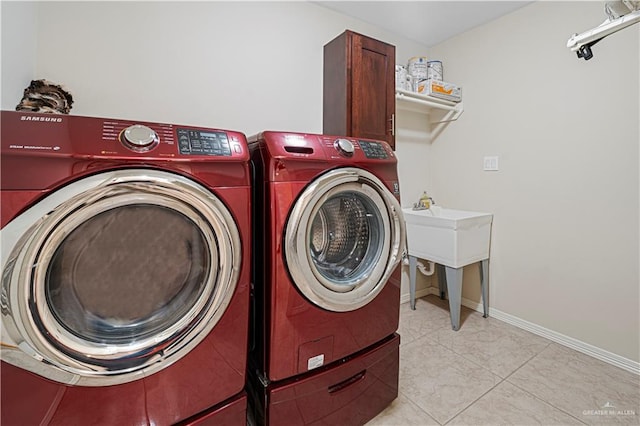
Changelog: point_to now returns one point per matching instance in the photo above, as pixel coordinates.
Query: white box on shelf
(440, 89)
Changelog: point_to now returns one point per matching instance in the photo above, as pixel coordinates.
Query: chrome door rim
(301, 267)
(27, 319)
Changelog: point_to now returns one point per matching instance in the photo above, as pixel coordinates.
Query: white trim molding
(406, 297)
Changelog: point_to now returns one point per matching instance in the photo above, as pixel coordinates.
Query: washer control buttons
(373, 150)
(139, 138)
(344, 147)
(201, 142)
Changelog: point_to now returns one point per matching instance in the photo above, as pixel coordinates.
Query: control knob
(344, 147)
(139, 138)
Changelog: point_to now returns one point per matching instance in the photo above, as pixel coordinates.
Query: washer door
(116, 276)
(343, 239)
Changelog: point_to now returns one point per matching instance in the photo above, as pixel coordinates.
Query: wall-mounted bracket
(440, 111)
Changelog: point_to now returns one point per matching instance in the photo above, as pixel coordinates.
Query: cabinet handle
(392, 130)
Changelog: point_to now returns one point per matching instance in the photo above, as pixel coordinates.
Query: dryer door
(116, 276)
(344, 237)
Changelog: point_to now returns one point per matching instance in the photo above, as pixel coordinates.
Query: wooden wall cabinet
(359, 88)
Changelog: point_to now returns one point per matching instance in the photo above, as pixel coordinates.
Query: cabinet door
(372, 89)
(359, 87)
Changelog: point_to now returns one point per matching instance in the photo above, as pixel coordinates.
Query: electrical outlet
(491, 163)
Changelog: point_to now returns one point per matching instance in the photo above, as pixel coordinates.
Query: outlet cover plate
(491, 163)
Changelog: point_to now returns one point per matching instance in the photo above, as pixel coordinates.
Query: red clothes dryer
(125, 272)
(329, 239)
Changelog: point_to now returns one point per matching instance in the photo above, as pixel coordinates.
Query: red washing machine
(125, 272)
(329, 239)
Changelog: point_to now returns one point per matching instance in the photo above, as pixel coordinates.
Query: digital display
(211, 135)
(196, 142)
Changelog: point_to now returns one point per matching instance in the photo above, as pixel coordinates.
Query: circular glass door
(346, 238)
(122, 277)
(343, 239)
(127, 274)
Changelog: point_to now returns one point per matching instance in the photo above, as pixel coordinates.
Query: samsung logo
(36, 118)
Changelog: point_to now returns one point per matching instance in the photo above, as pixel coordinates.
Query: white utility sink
(453, 238)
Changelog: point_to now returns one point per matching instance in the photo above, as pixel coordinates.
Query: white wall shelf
(439, 111)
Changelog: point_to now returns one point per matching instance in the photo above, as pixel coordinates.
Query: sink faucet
(424, 203)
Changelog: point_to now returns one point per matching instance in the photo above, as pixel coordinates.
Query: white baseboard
(473, 305)
(570, 342)
(404, 298)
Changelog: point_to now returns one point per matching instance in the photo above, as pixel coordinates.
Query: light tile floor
(492, 373)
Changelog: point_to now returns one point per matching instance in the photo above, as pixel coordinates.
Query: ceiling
(426, 22)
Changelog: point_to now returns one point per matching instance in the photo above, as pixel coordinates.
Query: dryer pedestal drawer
(349, 393)
(232, 412)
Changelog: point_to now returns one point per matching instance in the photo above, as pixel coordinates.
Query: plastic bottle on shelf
(425, 201)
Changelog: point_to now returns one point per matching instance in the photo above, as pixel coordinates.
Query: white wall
(248, 66)
(564, 251)
(18, 50)
(412, 148)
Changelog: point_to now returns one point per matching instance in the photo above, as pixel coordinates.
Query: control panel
(200, 142)
(373, 149)
(108, 138)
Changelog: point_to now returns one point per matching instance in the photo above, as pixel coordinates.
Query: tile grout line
(513, 384)
(487, 369)
(408, 397)
(547, 403)
(473, 402)
(478, 398)
(534, 396)
(549, 342)
(529, 360)
(436, 341)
